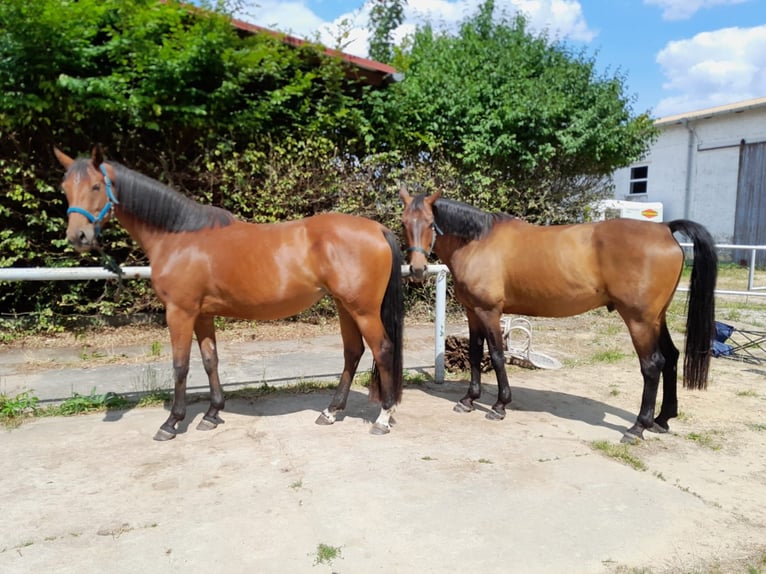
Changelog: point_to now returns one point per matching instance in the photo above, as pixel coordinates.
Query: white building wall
(713, 198)
(694, 165)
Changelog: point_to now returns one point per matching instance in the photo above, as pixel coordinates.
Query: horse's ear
(63, 158)
(97, 155)
(434, 196)
(404, 195)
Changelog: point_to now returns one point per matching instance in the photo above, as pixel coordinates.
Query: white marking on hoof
(379, 429)
(383, 424)
(325, 418)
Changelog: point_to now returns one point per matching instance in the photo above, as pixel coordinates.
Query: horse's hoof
(324, 420)
(630, 438)
(207, 424)
(461, 407)
(380, 429)
(494, 415)
(163, 435)
(658, 428)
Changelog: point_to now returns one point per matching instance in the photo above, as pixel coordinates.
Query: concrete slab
(441, 493)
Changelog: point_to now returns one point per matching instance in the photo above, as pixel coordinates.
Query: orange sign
(649, 213)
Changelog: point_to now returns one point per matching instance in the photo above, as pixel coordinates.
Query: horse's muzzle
(82, 239)
(417, 274)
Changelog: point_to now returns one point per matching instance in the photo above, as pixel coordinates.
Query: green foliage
(17, 406)
(528, 124)
(273, 131)
(385, 17)
(246, 122)
(77, 403)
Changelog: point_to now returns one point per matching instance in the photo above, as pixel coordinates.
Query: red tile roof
(369, 71)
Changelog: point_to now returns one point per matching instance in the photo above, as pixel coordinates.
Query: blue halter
(111, 201)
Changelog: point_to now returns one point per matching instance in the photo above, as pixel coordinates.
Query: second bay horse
(501, 264)
(205, 262)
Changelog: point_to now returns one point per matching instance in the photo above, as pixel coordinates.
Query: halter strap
(111, 201)
(436, 231)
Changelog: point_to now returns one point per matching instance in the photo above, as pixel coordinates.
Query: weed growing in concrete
(326, 554)
(705, 439)
(619, 452)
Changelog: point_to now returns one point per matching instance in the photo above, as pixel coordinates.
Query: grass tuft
(326, 554)
(620, 452)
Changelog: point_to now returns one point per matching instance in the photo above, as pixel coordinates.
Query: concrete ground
(270, 491)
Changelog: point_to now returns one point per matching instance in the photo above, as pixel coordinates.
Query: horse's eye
(96, 187)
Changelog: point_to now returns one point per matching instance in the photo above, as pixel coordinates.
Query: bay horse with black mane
(205, 262)
(501, 264)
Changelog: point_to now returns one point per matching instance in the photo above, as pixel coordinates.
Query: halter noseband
(418, 249)
(111, 201)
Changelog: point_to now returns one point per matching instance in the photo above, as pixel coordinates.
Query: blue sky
(676, 55)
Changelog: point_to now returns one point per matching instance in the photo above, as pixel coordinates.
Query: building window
(638, 179)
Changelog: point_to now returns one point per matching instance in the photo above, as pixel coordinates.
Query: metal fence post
(440, 321)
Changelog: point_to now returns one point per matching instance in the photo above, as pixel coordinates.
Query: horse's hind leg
(204, 328)
(383, 386)
(669, 408)
(180, 325)
(491, 320)
(353, 348)
(652, 363)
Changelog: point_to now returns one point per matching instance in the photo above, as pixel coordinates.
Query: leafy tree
(494, 115)
(246, 122)
(385, 17)
(529, 125)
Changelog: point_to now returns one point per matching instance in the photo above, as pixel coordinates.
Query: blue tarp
(722, 332)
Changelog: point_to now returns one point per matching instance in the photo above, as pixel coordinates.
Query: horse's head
(88, 187)
(420, 230)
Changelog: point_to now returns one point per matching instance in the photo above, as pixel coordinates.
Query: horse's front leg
(204, 328)
(180, 325)
(475, 355)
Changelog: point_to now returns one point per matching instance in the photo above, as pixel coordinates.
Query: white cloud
(561, 19)
(685, 9)
(293, 18)
(713, 68)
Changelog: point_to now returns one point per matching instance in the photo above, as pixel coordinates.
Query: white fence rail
(84, 273)
(70, 273)
(441, 271)
(753, 249)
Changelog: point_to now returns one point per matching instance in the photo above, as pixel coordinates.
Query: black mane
(463, 220)
(159, 205)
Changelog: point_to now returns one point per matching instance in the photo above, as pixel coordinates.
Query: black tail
(700, 321)
(392, 316)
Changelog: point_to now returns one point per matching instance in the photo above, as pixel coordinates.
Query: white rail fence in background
(751, 287)
(84, 273)
(440, 307)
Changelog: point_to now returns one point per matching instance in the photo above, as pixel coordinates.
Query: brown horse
(206, 263)
(501, 264)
